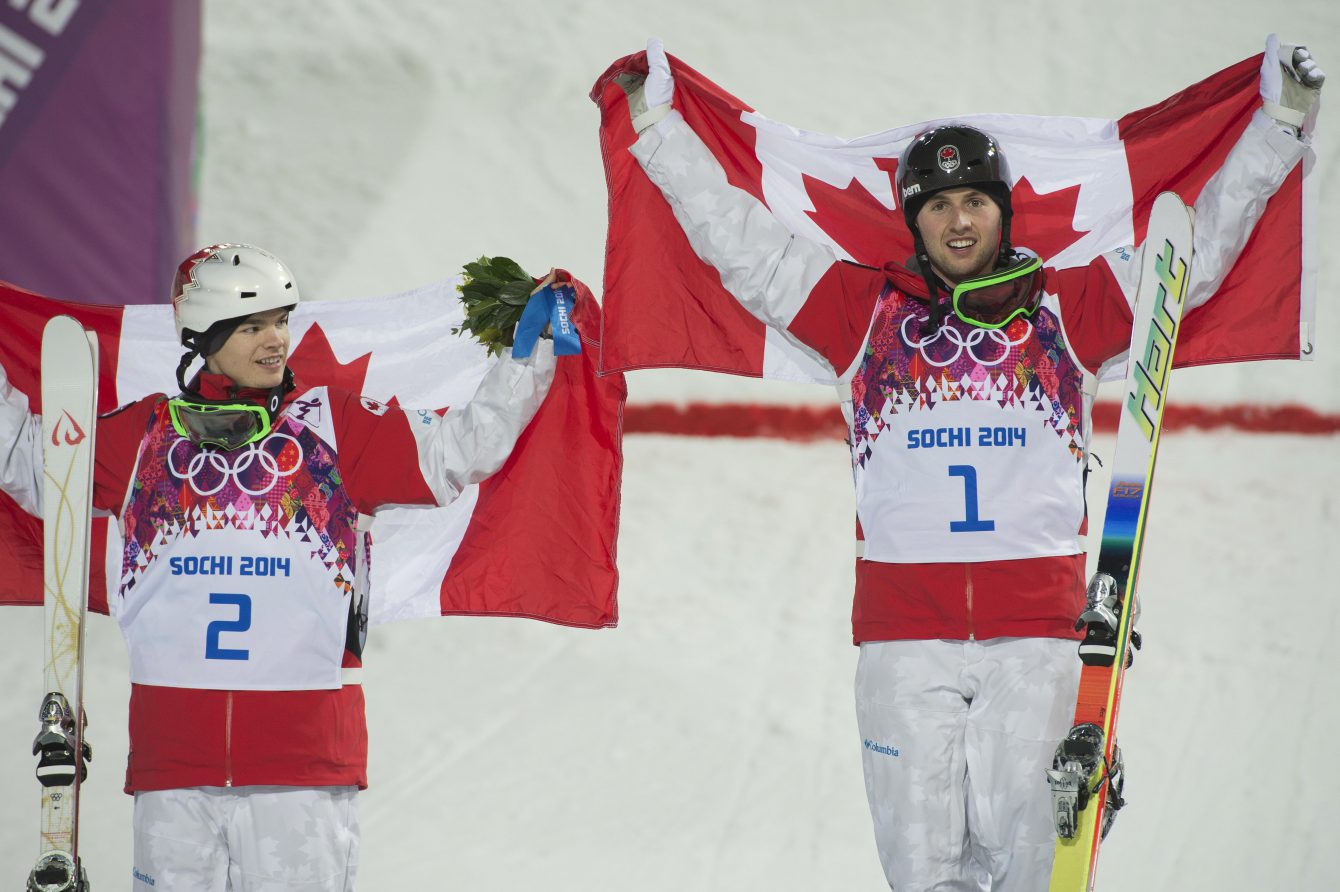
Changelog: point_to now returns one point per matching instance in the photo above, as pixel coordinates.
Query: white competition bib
(239, 566)
(970, 482)
(967, 443)
(235, 610)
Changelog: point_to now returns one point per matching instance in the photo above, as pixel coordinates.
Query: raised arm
(468, 444)
(1096, 300)
(771, 272)
(401, 457)
(1233, 201)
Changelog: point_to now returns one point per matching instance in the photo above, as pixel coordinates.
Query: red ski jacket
(331, 459)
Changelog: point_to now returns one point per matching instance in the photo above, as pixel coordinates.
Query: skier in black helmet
(970, 570)
(962, 157)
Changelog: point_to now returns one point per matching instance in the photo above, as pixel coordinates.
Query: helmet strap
(1006, 249)
(187, 358)
(935, 311)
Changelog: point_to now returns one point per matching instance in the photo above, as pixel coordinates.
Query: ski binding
(55, 744)
(1100, 621)
(1078, 772)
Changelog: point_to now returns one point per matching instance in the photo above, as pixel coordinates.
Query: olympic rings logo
(209, 471)
(955, 338)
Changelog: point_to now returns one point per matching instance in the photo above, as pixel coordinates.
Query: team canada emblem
(948, 158)
(374, 407)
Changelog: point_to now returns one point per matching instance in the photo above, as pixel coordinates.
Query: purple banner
(97, 141)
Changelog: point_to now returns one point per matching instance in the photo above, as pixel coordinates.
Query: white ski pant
(246, 839)
(956, 737)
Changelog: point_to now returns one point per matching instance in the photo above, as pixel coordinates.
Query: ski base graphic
(69, 401)
(1086, 776)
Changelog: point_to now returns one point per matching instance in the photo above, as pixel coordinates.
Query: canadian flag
(537, 539)
(1082, 186)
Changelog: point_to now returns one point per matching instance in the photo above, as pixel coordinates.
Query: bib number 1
(213, 651)
(972, 523)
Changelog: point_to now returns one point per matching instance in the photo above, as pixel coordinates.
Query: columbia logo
(142, 877)
(882, 749)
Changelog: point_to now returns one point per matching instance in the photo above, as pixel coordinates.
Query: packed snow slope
(709, 742)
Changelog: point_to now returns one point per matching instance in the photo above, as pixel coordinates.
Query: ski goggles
(998, 298)
(225, 426)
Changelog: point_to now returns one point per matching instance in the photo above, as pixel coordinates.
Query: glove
(1292, 94)
(649, 95)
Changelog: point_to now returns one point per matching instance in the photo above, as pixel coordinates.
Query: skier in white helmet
(967, 674)
(244, 503)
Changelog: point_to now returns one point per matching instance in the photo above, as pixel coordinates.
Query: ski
(1087, 773)
(69, 401)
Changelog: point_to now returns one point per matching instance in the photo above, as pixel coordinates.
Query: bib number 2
(971, 522)
(213, 651)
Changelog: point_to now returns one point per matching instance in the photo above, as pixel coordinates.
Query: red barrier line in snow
(805, 423)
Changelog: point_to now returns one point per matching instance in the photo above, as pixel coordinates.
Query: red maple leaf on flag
(874, 234)
(314, 362)
(858, 221)
(1044, 223)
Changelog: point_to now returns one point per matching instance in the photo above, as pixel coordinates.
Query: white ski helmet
(225, 282)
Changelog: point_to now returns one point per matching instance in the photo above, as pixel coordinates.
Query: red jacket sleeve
(1094, 310)
(835, 317)
(119, 435)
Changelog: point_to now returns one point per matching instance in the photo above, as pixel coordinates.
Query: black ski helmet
(950, 157)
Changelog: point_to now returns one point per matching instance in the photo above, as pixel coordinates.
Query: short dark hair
(211, 341)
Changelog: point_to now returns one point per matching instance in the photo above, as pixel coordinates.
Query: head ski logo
(1145, 403)
(67, 431)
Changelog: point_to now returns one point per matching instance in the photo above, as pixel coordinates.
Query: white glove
(649, 97)
(1292, 94)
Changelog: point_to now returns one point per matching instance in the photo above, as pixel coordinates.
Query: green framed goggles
(225, 426)
(999, 297)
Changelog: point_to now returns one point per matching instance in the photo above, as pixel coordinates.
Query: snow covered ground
(709, 742)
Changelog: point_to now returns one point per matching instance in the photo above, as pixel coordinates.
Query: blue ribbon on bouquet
(552, 305)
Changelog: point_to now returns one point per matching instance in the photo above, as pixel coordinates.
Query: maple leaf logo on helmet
(948, 158)
(186, 278)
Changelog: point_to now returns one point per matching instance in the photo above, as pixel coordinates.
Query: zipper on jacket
(228, 739)
(967, 572)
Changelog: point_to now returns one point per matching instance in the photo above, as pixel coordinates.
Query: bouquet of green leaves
(495, 291)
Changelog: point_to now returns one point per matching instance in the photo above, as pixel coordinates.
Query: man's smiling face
(255, 353)
(961, 231)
